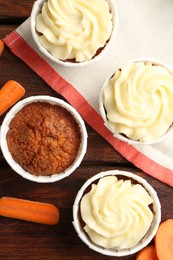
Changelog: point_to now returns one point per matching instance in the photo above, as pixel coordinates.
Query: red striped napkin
(140, 35)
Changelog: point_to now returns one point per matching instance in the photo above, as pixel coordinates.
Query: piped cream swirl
(116, 213)
(138, 101)
(74, 29)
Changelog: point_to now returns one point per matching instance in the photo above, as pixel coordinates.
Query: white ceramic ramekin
(113, 252)
(15, 166)
(37, 9)
(103, 111)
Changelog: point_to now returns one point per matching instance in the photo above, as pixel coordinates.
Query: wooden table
(24, 240)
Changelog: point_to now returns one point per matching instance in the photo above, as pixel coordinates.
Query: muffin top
(116, 213)
(74, 29)
(43, 138)
(138, 101)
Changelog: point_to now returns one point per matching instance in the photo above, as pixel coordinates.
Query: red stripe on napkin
(21, 49)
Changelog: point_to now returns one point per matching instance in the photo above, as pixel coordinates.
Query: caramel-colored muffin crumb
(44, 138)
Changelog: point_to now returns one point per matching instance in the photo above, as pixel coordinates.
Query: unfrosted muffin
(73, 31)
(136, 102)
(116, 213)
(43, 138)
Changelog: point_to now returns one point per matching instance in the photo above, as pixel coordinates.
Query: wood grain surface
(24, 240)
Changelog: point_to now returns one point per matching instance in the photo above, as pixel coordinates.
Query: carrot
(27, 210)
(1, 46)
(164, 240)
(10, 93)
(147, 253)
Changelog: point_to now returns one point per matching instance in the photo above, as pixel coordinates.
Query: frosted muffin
(73, 31)
(136, 102)
(116, 213)
(43, 138)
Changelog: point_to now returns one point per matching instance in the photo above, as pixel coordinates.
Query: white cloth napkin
(145, 31)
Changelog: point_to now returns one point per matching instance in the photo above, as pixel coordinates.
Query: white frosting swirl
(116, 213)
(74, 29)
(138, 101)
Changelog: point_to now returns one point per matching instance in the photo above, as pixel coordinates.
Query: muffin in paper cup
(136, 101)
(40, 148)
(123, 209)
(77, 45)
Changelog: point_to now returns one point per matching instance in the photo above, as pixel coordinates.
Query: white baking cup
(15, 166)
(146, 239)
(103, 112)
(36, 9)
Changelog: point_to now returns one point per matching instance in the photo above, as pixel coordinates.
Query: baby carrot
(164, 240)
(10, 93)
(1, 47)
(28, 210)
(147, 253)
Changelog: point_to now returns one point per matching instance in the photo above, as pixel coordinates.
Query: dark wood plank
(6, 29)
(15, 11)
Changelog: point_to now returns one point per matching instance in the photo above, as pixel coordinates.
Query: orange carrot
(1, 46)
(164, 240)
(147, 253)
(10, 93)
(27, 210)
